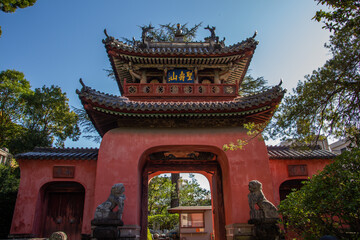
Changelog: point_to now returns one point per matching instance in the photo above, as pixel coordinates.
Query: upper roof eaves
(273, 94)
(181, 48)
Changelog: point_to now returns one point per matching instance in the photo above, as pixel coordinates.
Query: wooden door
(64, 213)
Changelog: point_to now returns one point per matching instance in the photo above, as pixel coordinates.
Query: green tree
(329, 203)
(33, 118)
(190, 194)
(9, 183)
(166, 32)
(47, 112)
(10, 6)
(13, 89)
(87, 127)
(328, 101)
(159, 197)
(251, 85)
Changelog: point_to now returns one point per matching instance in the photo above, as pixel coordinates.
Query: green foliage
(163, 221)
(190, 194)
(251, 85)
(9, 183)
(87, 126)
(327, 102)
(10, 6)
(160, 188)
(329, 203)
(13, 89)
(254, 130)
(33, 118)
(48, 112)
(166, 32)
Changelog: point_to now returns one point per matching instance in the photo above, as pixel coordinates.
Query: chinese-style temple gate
(179, 105)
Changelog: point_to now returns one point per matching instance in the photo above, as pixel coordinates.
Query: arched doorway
(179, 160)
(287, 187)
(63, 209)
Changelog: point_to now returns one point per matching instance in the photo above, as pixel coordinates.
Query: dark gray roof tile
(60, 153)
(274, 152)
(280, 152)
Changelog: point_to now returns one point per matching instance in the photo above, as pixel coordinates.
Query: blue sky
(58, 42)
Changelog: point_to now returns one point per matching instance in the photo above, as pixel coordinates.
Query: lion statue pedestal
(263, 214)
(107, 223)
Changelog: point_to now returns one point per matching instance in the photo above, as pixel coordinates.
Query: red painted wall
(279, 171)
(122, 153)
(34, 175)
(122, 157)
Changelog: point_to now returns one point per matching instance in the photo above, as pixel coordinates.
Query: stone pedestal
(266, 229)
(129, 232)
(111, 231)
(105, 229)
(240, 231)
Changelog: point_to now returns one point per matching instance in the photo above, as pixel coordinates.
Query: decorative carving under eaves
(174, 155)
(181, 122)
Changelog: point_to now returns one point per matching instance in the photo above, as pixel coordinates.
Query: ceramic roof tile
(194, 48)
(276, 152)
(124, 104)
(60, 153)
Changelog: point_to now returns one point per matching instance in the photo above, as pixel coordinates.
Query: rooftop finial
(255, 33)
(178, 32)
(82, 83)
(106, 33)
(145, 30)
(213, 36)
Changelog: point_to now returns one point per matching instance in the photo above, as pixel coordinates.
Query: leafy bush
(328, 204)
(9, 184)
(163, 221)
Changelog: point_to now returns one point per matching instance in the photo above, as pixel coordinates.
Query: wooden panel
(297, 170)
(64, 171)
(64, 213)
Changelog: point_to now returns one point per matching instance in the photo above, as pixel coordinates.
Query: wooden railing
(180, 89)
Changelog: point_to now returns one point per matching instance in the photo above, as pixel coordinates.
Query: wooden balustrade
(179, 89)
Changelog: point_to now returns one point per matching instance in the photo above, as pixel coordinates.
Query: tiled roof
(180, 48)
(60, 153)
(276, 152)
(118, 103)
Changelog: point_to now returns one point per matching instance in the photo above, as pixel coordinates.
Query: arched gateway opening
(176, 160)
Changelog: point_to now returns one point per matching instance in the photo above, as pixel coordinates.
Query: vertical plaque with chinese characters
(64, 171)
(179, 75)
(297, 170)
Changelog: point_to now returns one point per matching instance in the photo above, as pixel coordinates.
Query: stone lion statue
(116, 198)
(266, 210)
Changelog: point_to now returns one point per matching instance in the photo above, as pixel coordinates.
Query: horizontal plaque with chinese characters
(64, 172)
(179, 75)
(297, 170)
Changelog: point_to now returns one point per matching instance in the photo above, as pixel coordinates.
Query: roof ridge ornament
(255, 34)
(213, 39)
(179, 35)
(144, 34)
